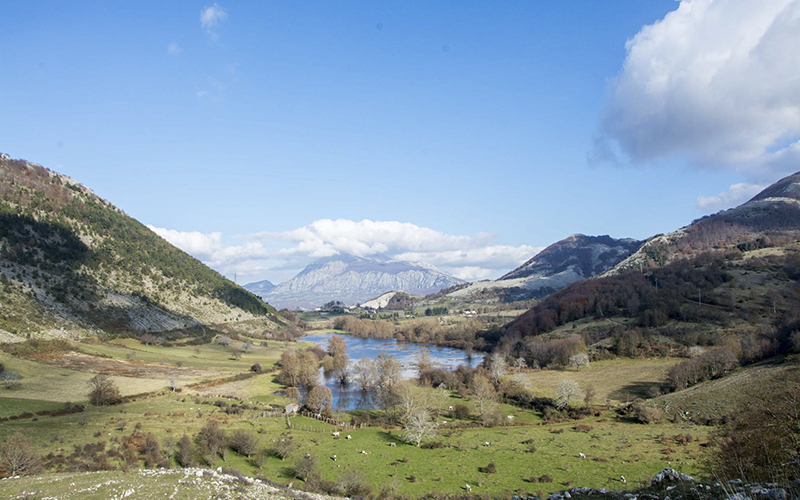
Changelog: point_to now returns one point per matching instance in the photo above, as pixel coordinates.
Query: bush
(243, 442)
(184, 455)
(648, 414)
(305, 468)
(490, 468)
(103, 391)
(17, 457)
(461, 412)
(256, 368)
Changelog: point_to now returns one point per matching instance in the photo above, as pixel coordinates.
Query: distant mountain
(259, 288)
(353, 280)
(72, 263)
(572, 259)
(733, 272)
(769, 217)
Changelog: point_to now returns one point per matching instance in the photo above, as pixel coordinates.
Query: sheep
(333, 458)
(349, 436)
(510, 418)
(336, 434)
(622, 478)
(392, 445)
(451, 409)
(487, 443)
(363, 452)
(467, 487)
(581, 455)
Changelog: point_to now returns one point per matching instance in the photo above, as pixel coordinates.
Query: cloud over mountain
(714, 82)
(279, 255)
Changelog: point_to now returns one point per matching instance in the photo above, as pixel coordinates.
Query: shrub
(243, 442)
(305, 468)
(648, 414)
(17, 457)
(103, 391)
(490, 468)
(184, 455)
(461, 412)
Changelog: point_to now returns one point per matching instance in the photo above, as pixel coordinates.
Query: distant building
(292, 408)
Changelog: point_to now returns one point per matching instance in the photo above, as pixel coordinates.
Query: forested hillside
(71, 261)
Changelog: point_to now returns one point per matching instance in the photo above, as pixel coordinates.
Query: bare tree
(419, 426)
(11, 379)
(223, 341)
(520, 364)
(320, 399)
(579, 360)
(103, 391)
(365, 373)
(497, 366)
(247, 347)
(17, 457)
(484, 394)
(389, 377)
(566, 391)
(173, 382)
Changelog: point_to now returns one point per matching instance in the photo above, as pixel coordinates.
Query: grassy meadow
(529, 456)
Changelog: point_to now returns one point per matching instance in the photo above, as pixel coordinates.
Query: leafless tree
(103, 390)
(566, 391)
(17, 457)
(419, 426)
(365, 373)
(579, 360)
(320, 399)
(11, 379)
(482, 391)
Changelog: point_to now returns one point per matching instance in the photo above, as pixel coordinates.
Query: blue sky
(259, 136)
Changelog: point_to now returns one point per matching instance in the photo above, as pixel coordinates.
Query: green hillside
(70, 261)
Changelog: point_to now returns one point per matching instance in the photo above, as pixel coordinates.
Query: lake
(351, 397)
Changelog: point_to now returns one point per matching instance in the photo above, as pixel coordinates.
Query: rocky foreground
(194, 483)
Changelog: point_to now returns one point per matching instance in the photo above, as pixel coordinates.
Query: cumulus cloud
(716, 82)
(211, 17)
(173, 49)
(735, 195)
(193, 242)
(271, 254)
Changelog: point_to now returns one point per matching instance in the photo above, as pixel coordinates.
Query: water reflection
(350, 396)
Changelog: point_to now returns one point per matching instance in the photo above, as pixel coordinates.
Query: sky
(260, 136)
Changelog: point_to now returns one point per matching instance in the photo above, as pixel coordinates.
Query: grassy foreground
(529, 457)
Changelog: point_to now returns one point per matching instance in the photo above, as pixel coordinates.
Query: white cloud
(269, 254)
(193, 242)
(716, 82)
(173, 49)
(210, 17)
(736, 195)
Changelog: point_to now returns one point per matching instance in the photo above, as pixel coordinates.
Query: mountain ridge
(72, 263)
(353, 280)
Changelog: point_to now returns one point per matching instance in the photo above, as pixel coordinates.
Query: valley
(121, 355)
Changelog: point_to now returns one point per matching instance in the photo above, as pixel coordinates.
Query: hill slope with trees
(71, 262)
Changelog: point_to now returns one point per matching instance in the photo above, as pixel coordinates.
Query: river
(351, 397)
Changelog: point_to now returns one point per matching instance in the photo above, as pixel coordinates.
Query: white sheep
(333, 458)
(510, 418)
(581, 455)
(336, 434)
(392, 444)
(622, 478)
(468, 487)
(363, 452)
(487, 443)
(349, 436)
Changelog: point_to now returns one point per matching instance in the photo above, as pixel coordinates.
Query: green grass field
(529, 457)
